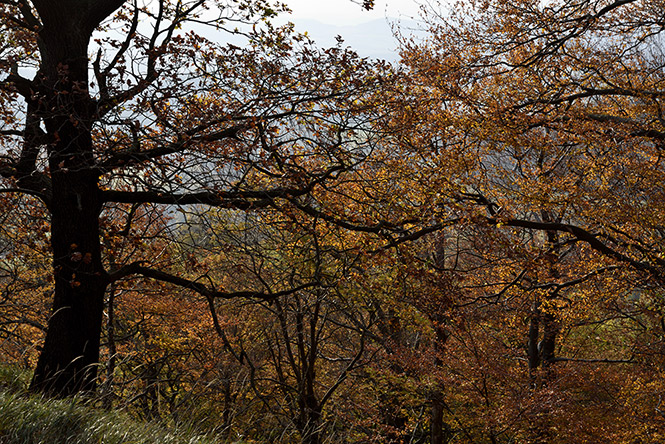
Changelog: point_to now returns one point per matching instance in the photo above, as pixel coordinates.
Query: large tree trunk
(69, 359)
(439, 430)
(532, 345)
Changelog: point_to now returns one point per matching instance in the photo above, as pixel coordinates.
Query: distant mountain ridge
(371, 39)
(374, 38)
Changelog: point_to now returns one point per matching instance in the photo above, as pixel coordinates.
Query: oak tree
(113, 105)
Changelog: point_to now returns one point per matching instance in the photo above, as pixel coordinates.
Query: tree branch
(154, 50)
(134, 156)
(102, 75)
(11, 133)
(22, 85)
(246, 199)
(136, 268)
(582, 235)
(28, 16)
(99, 10)
(220, 200)
(560, 286)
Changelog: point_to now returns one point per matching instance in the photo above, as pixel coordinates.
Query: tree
(538, 100)
(168, 119)
(549, 116)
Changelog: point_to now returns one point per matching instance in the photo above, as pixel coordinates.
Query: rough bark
(532, 347)
(69, 358)
(438, 428)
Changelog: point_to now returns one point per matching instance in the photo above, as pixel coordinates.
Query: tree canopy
(292, 243)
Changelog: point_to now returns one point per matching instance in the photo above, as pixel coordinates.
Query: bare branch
(136, 268)
(11, 133)
(135, 156)
(102, 75)
(241, 199)
(252, 200)
(30, 19)
(22, 85)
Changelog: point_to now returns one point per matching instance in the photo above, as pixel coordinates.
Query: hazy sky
(342, 17)
(345, 12)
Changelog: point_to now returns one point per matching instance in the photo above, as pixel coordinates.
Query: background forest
(278, 242)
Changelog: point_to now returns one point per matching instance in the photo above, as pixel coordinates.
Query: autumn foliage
(276, 242)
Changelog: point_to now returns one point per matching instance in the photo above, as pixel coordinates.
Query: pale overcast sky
(345, 12)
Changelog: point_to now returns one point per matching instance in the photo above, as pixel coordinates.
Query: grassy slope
(30, 419)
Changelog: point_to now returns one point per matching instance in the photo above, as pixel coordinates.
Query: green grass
(13, 378)
(31, 419)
